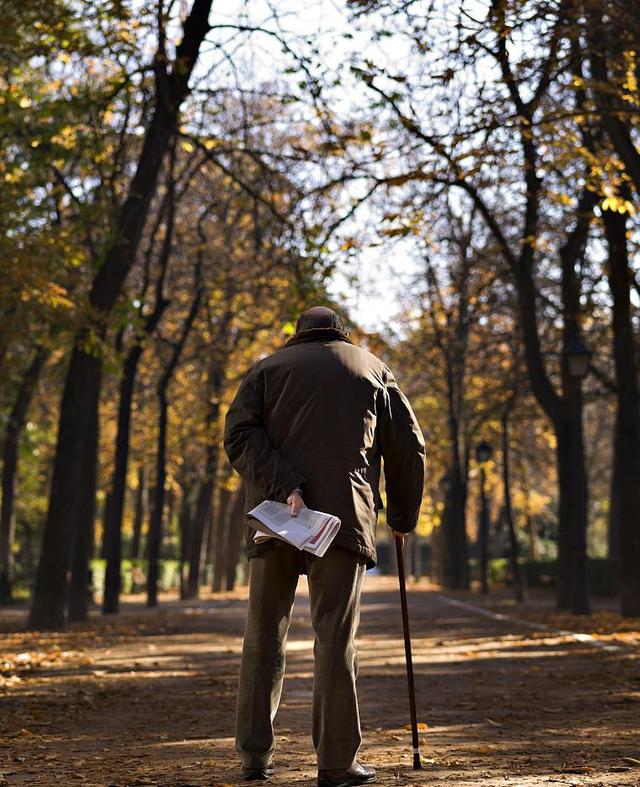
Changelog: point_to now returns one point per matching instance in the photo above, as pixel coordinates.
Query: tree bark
(113, 513)
(185, 521)
(219, 546)
(514, 551)
(522, 261)
(456, 545)
(417, 556)
(572, 591)
(200, 519)
(139, 512)
(77, 439)
(113, 520)
(234, 540)
(154, 539)
(81, 584)
(613, 523)
(215, 382)
(15, 424)
(565, 410)
(607, 31)
(483, 533)
(627, 442)
(157, 510)
(72, 496)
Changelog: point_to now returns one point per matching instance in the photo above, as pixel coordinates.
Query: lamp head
(578, 357)
(483, 452)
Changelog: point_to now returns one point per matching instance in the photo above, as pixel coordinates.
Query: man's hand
(296, 502)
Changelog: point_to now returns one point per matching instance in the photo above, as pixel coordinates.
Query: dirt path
(149, 699)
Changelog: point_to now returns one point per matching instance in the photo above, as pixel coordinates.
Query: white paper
(311, 530)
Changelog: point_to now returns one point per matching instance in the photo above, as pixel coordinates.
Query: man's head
(320, 317)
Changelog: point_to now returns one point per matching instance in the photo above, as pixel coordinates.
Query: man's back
(309, 425)
(319, 414)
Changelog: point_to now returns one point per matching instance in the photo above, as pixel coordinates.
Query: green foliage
(169, 575)
(602, 574)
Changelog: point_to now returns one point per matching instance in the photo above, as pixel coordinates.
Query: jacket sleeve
(248, 447)
(403, 452)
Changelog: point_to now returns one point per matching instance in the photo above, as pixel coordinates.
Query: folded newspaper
(311, 530)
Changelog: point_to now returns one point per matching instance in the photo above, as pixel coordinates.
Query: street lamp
(578, 357)
(483, 454)
(445, 483)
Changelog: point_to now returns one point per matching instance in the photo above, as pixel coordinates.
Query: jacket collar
(318, 335)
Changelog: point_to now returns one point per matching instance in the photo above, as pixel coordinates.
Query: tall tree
(72, 499)
(519, 94)
(627, 428)
(115, 497)
(14, 427)
(612, 32)
(158, 496)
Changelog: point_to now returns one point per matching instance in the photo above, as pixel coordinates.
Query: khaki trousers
(335, 582)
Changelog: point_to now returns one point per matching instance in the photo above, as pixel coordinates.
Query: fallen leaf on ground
(422, 727)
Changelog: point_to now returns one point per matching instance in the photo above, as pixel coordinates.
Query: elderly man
(309, 426)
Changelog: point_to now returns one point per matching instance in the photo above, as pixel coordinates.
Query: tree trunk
(113, 520)
(532, 535)
(483, 533)
(234, 540)
(207, 567)
(220, 539)
(573, 588)
(157, 511)
(170, 511)
(565, 414)
(139, 513)
(417, 557)
(185, 522)
(72, 496)
(77, 442)
(105, 516)
(81, 585)
(613, 531)
(215, 381)
(514, 551)
(15, 424)
(456, 545)
(154, 538)
(572, 591)
(607, 32)
(627, 427)
(113, 517)
(437, 552)
(200, 519)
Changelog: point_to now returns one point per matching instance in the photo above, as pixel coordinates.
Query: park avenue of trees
(178, 181)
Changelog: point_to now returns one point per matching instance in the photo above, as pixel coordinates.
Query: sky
(381, 275)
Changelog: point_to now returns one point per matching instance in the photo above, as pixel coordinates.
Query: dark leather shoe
(257, 774)
(356, 774)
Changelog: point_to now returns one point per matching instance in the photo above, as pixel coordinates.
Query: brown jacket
(319, 414)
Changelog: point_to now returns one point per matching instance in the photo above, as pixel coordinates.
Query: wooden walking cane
(417, 765)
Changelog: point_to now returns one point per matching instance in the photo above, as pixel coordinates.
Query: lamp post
(483, 454)
(578, 357)
(442, 535)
